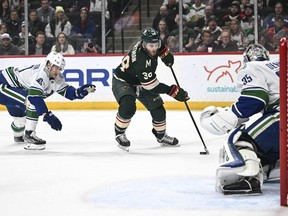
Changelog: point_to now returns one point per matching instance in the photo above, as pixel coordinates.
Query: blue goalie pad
(234, 157)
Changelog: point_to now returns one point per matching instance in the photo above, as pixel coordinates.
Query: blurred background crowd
(71, 26)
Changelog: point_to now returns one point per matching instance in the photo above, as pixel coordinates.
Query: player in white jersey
(249, 154)
(23, 92)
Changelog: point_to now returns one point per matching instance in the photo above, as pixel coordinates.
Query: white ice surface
(83, 173)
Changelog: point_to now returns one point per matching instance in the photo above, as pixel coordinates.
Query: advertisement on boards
(207, 78)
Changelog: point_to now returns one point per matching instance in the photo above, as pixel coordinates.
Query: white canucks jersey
(258, 82)
(36, 79)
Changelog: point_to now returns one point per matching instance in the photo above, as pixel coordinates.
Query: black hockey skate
(250, 186)
(123, 142)
(33, 142)
(19, 139)
(165, 140)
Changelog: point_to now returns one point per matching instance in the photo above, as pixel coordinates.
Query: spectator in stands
(62, 45)
(83, 29)
(45, 12)
(249, 34)
(96, 5)
(20, 7)
(235, 13)
(14, 23)
(246, 22)
(196, 12)
(90, 47)
(58, 24)
(201, 22)
(237, 34)
(275, 33)
(204, 42)
(40, 47)
(75, 6)
(172, 44)
(172, 9)
(4, 10)
(243, 4)
(19, 40)
(6, 47)
(189, 35)
(3, 28)
(212, 26)
(35, 23)
(163, 31)
(163, 14)
(225, 44)
(270, 18)
(264, 41)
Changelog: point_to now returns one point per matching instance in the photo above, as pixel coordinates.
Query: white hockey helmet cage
(56, 59)
(255, 52)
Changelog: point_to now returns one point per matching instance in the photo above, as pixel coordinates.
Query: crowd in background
(222, 26)
(67, 26)
(71, 26)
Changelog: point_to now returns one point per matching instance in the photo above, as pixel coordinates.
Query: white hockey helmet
(57, 59)
(256, 52)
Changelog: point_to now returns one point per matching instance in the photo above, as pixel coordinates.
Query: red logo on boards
(223, 71)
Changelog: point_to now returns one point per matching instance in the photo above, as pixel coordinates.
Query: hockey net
(283, 122)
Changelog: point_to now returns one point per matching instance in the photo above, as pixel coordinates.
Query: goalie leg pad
(241, 167)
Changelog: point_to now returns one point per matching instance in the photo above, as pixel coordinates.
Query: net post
(283, 123)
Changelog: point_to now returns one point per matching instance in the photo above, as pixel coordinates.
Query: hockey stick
(188, 109)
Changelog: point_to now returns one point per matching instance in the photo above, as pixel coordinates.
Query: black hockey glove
(53, 121)
(167, 57)
(84, 90)
(178, 93)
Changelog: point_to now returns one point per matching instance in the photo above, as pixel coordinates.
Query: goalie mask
(255, 52)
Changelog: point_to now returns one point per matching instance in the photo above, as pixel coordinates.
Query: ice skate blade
(30, 146)
(167, 145)
(125, 148)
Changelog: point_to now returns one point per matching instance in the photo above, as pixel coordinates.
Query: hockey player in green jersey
(135, 78)
(29, 87)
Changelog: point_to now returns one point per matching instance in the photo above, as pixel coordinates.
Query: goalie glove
(84, 90)
(178, 93)
(217, 120)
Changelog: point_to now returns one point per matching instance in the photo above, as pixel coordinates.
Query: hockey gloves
(84, 90)
(167, 57)
(53, 121)
(178, 93)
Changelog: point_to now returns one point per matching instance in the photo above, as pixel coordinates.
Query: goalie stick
(188, 109)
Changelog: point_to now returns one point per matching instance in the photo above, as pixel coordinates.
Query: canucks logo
(40, 81)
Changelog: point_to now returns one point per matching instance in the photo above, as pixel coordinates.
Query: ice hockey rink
(83, 173)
